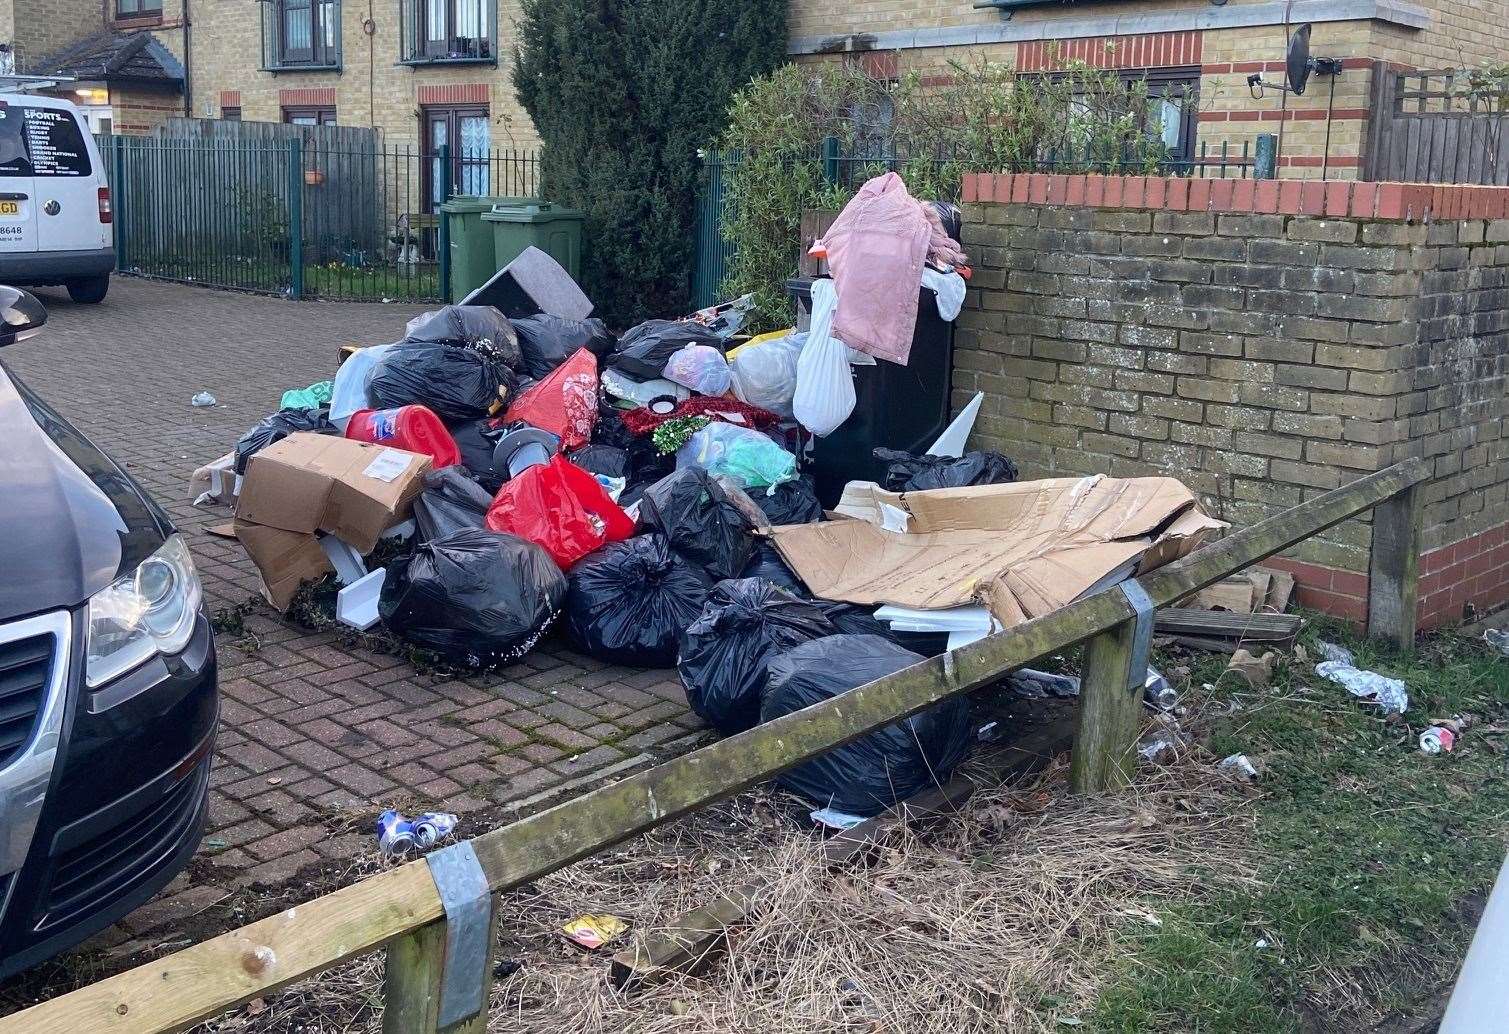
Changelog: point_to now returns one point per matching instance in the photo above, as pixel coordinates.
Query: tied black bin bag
(703, 524)
(790, 502)
(276, 427)
(477, 440)
(905, 472)
(642, 352)
(629, 602)
(547, 341)
(478, 598)
(450, 502)
(479, 327)
(726, 651)
(878, 769)
(455, 383)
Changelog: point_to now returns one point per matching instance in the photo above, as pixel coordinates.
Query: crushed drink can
(1437, 740)
(397, 834)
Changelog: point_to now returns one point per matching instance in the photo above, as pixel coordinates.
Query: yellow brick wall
(136, 111)
(1462, 33)
(371, 88)
(40, 27)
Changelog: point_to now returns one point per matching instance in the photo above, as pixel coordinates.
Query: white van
(54, 200)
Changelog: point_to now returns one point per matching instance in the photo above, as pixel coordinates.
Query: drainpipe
(188, 65)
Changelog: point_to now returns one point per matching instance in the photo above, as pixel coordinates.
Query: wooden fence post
(1394, 567)
(1105, 736)
(411, 981)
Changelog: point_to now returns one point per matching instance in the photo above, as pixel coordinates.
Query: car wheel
(89, 291)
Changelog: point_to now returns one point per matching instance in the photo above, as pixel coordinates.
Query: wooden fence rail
(401, 909)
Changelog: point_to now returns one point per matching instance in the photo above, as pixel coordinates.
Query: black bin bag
(765, 562)
(905, 472)
(478, 598)
(277, 426)
(725, 653)
(629, 602)
(477, 440)
(450, 502)
(880, 768)
(455, 383)
(547, 341)
(790, 502)
(853, 619)
(642, 352)
(703, 524)
(479, 327)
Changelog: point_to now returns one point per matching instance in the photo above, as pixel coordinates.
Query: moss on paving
(1369, 852)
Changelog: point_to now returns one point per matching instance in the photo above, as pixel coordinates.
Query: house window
(301, 34)
(230, 112)
(308, 116)
(466, 131)
(137, 8)
(1166, 124)
(448, 30)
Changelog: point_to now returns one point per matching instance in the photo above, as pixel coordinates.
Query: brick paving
(316, 737)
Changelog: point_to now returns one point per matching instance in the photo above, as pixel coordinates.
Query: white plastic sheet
(351, 377)
(948, 288)
(824, 385)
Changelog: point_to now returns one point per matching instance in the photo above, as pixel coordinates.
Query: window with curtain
(448, 30)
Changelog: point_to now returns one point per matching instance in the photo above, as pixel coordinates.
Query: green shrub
(623, 93)
(986, 118)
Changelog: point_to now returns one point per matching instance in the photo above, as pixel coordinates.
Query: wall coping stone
(1354, 199)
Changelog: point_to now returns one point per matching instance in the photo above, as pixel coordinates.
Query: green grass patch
(1368, 853)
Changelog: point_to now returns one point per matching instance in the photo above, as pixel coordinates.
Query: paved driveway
(316, 736)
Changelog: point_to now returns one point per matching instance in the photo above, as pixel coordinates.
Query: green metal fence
(297, 218)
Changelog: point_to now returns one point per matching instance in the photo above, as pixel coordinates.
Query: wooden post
(411, 982)
(1105, 738)
(1394, 570)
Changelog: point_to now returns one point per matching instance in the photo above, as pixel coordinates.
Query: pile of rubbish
(646, 496)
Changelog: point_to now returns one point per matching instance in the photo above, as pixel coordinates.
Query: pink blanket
(876, 248)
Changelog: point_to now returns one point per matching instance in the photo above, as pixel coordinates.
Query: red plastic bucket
(411, 428)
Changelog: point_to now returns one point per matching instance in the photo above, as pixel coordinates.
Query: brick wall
(1454, 33)
(1264, 342)
(228, 57)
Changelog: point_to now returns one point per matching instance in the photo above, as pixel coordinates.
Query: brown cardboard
(285, 559)
(1022, 549)
(315, 482)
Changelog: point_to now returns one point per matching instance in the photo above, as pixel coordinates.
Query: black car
(108, 698)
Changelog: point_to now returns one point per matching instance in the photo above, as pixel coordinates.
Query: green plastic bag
(312, 397)
(745, 455)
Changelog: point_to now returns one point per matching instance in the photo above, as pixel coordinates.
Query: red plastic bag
(564, 403)
(561, 507)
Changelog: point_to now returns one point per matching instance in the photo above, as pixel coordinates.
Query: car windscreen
(38, 141)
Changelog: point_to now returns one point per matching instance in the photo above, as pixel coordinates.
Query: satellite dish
(1298, 62)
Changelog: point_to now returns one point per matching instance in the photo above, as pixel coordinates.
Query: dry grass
(998, 918)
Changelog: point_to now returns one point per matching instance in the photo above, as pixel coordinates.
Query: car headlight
(149, 611)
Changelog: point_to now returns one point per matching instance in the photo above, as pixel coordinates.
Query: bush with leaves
(623, 93)
(986, 119)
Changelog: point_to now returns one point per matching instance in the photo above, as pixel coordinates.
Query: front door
(466, 131)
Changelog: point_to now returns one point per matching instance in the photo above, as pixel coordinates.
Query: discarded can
(1498, 638)
(1438, 739)
(1157, 691)
(397, 834)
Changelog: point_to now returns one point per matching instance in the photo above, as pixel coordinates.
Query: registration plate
(10, 208)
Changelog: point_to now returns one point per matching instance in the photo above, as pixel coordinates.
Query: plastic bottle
(411, 428)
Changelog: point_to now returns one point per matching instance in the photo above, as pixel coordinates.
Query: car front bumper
(124, 804)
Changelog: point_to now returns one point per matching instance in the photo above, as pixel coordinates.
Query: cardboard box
(1023, 550)
(319, 482)
(285, 559)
